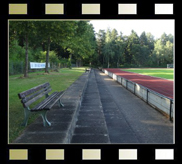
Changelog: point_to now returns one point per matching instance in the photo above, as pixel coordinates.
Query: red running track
(162, 86)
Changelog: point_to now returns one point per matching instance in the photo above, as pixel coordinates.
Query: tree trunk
(108, 64)
(70, 61)
(70, 57)
(103, 61)
(47, 55)
(118, 63)
(26, 57)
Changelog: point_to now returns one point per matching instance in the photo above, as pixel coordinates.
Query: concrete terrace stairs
(91, 126)
(99, 110)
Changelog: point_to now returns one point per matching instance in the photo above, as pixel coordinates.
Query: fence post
(147, 96)
(12, 69)
(170, 117)
(22, 67)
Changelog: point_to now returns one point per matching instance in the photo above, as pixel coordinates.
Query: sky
(155, 27)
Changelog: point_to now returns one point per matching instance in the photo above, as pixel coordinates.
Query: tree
(57, 31)
(107, 48)
(132, 48)
(143, 39)
(83, 44)
(119, 49)
(26, 29)
(145, 47)
(170, 38)
(115, 54)
(164, 38)
(163, 50)
(150, 41)
(101, 36)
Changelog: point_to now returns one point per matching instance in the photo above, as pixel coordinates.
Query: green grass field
(162, 73)
(58, 80)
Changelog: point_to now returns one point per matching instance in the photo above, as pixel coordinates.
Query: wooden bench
(87, 70)
(32, 95)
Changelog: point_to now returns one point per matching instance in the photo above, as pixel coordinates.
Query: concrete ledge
(75, 115)
(158, 101)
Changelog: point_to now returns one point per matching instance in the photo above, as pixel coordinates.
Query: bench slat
(49, 102)
(36, 98)
(44, 103)
(35, 94)
(57, 97)
(32, 90)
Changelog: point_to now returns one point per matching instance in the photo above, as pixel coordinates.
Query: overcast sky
(155, 27)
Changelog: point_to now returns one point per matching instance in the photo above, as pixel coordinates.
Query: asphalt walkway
(129, 119)
(99, 110)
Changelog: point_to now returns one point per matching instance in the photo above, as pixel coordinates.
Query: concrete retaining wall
(156, 100)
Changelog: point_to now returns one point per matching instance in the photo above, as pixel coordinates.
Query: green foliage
(163, 51)
(83, 45)
(100, 46)
(16, 52)
(52, 57)
(69, 63)
(59, 39)
(115, 50)
(49, 41)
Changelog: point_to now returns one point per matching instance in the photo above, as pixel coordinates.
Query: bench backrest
(30, 96)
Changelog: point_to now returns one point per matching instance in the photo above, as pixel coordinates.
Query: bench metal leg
(44, 117)
(61, 104)
(27, 114)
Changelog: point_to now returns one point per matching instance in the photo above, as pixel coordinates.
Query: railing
(158, 101)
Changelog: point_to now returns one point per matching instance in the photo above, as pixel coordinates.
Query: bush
(52, 57)
(69, 63)
(16, 52)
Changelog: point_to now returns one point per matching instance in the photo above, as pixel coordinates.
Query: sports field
(162, 73)
(160, 85)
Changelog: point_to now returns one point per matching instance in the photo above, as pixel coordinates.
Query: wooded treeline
(63, 42)
(116, 50)
(75, 42)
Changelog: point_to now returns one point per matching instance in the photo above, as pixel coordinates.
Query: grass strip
(162, 73)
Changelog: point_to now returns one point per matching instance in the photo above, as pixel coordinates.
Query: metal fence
(170, 65)
(17, 67)
(156, 100)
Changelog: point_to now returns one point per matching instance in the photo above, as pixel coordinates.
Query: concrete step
(91, 126)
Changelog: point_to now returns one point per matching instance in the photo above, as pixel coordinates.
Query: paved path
(101, 112)
(110, 113)
(162, 86)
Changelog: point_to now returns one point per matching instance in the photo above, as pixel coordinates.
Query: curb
(74, 118)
